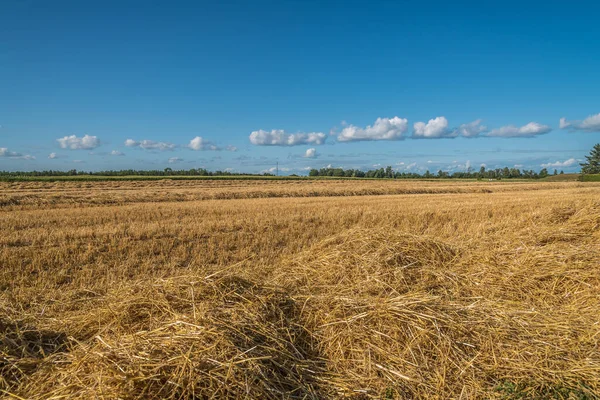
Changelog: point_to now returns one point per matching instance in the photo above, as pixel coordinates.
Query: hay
(436, 307)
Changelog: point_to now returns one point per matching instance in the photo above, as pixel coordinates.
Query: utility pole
(277, 169)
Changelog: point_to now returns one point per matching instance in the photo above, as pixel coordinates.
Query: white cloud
(73, 142)
(273, 170)
(278, 137)
(433, 129)
(410, 166)
(470, 130)
(311, 153)
(590, 124)
(150, 145)
(116, 153)
(79, 161)
(199, 143)
(560, 164)
(174, 160)
(382, 129)
(231, 148)
(468, 165)
(4, 152)
(530, 130)
(52, 156)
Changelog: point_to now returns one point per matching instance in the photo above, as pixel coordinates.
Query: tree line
(591, 166)
(389, 173)
(129, 172)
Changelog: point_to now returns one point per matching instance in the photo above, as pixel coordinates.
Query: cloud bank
(561, 164)
(470, 130)
(73, 142)
(278, 137)
(310, 153)
(198, 143)
(434, 129)
(590, 124)
(382, 129)
(530, 130)
(4, 152)
(150, 145)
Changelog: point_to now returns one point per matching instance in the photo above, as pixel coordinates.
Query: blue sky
(242, 85)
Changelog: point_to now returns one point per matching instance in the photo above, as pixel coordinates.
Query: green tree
(592, 166)
(389, 173)
(482, 171)
(338, 172)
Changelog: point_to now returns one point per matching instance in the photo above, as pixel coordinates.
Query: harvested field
(33, 195)
(300, 289)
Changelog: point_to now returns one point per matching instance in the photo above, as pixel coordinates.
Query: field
(268, 289)
(591, 178)
(563, 178)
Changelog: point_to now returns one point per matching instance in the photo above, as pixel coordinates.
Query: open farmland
(300, 289)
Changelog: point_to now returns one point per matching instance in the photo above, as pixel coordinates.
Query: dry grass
(35, 195)
(467, 290)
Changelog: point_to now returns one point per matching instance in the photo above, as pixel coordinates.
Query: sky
(242, 86)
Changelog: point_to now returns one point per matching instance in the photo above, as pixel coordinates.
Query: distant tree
(562, 172)
(555, 172)
(592, 166)
(482, 172)
(389, 173)
(313, 172)
(338, 172)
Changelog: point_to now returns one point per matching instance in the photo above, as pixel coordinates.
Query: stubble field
(299, 289)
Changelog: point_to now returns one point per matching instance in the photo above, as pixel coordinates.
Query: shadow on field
(23, 348)
(287, 362)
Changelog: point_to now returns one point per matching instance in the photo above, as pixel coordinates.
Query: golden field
(300, 289)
